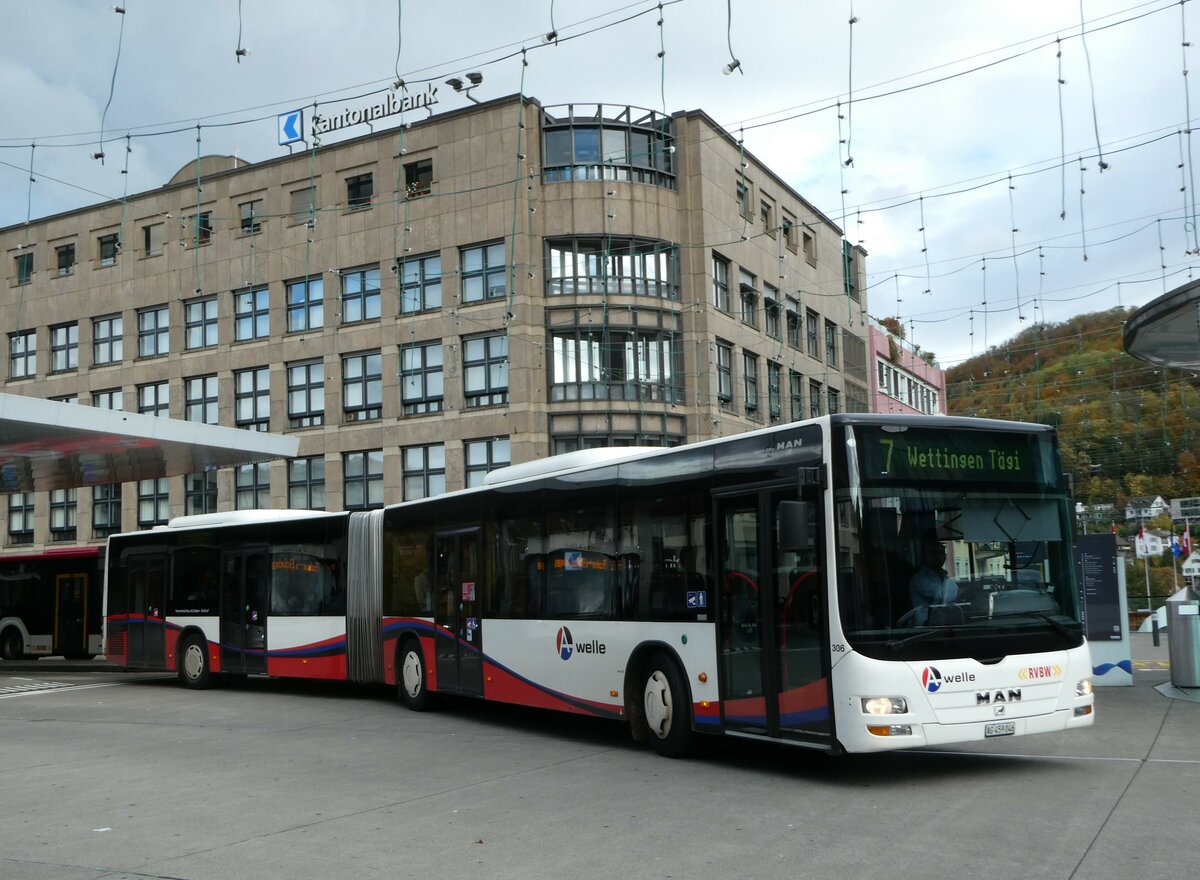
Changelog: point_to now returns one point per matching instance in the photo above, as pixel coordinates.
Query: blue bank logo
(291, 127)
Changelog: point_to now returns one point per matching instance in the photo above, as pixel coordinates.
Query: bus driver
(930, 584)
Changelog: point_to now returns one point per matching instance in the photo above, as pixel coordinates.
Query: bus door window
(740, 614)
(71, 590)
(799, 595)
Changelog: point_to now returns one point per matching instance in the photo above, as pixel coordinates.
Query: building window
(835, 401)
(814, 398)
(154, 332)
(560, 443)
(424, 471)
(483, 273)
(200, 493)
(154, 237)
(774, 391)
(362, 479)
(200, 399)
(306, 483)
(631, 266)
(153, 399)
(831, 343)
(106, 510)
(20, 518)
(251, 214)
(810, 247)
(771, 312)
(306, 394)
(485, 370)
(64, 347)
(108, 346)
(750, 382)
(796, 395)
(724, 372)
(481, 456)
(749, 296)
(65, 254)
(811, 324)
(421, 378)
(109, 246)
(22, 354)
(24, 267)
(303, 204)
(252, 399)
(252, 486)
(607, 145)
(793, 322)
(305, 304)
(251, 314)
(586, 364)
(850, 268)
(418, 177)
(766, 213)
(362, 386)
(63, 507)
(200, 323)
(110, 399)
(199, 227)
(359, 190)
(421, 284)
(789, 231)
(360, 295)
(153, 502)
(720, 272)
(742, 194)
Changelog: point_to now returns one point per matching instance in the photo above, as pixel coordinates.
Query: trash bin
(1183, 635)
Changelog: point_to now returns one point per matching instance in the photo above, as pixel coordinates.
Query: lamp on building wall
(474, 78)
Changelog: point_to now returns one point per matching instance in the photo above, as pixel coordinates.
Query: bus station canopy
(1166, 331)
(47, 444)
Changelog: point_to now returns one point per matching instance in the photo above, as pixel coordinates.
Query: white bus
(853, 583)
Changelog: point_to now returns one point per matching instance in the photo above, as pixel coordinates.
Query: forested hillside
(1127, 427)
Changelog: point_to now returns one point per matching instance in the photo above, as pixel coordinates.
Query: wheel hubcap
(658, 704)
(193, 662)
(412, 674)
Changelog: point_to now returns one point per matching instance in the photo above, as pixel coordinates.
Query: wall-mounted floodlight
(474, 78)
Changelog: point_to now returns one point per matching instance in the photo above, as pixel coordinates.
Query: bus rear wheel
(194, 671)
(665, 707)
(12, 645)
(411, 681)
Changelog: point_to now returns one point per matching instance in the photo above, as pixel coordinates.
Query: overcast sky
(941, 103)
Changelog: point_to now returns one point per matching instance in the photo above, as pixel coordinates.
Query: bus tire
(12, 644)
(665, 707)
(412, 683)
(194, 669)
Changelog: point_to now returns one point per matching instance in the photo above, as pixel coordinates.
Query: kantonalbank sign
(389, 106)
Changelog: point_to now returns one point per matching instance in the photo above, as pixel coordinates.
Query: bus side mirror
(793, 526)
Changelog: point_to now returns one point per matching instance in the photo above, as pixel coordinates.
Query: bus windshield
(953, 543)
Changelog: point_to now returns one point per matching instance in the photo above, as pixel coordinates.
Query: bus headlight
(884, 705)
(1084, 688)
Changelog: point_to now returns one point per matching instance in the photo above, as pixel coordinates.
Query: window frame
(428, 402)
(362, 378)
(417, 284)
(366, 299)
(154, 336)
(66, 351)
(489, 393)
(366, 473)
(486, 273)
(308, 482)
(252, 308)
(22, 364)
(305, 298)
(360, 191)
(432, 477)
(253, 399)
(200, 323)
(312, 388)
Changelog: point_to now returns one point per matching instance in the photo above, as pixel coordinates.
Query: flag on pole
(1139, 546)
(1187, 539)
(1175, 546)
(1114, 528)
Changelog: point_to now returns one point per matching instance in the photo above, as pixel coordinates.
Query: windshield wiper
(1057, 625)
(896, 644)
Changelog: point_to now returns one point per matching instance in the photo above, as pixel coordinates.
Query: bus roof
(244, 517)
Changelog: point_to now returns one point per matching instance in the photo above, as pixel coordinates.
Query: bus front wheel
(194, 671)
(664, 702)
(12, 645)
(411, 681)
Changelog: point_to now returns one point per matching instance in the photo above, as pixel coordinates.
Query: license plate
(1000, 728)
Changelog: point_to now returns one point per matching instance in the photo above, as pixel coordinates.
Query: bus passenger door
(771, 622)
(245, 592)
(147, 580)
(70, 614)
(457, 624)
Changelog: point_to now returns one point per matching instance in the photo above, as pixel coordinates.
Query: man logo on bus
(564, 643)
(931, 679)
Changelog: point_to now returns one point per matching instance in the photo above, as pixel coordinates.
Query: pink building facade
(904, 382)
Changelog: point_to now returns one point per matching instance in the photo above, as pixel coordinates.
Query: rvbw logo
(564, 643)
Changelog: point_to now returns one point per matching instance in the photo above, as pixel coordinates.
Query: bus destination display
(942, 456)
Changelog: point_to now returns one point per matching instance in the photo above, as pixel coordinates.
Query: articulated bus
(766, 585)
(51, 603)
